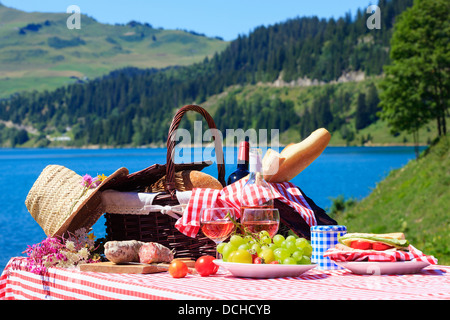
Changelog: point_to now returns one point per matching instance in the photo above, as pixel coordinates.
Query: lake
(348, 171)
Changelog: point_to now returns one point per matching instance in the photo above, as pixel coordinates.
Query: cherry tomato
(205, 266)
(275, 262)
(178, 269)
(254, 255)
(362, 245)
(258, 260)
(380, 246)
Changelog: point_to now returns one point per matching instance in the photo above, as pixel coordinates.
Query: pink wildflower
(88, 181)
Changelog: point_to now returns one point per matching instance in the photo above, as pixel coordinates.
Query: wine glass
(217, 224)
(256, 220)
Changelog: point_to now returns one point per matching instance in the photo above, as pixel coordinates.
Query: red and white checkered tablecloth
(433, 283)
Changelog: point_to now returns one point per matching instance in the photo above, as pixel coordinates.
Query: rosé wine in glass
(256, 220)
(217, 224)
(217, 230)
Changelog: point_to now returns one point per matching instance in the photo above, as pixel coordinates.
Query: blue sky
(226, 19)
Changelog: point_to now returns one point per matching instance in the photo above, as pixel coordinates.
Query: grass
(415, 200)
(28, 61)
(39, 83)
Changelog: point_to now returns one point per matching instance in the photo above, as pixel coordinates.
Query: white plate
(377, 268)
(248, 270)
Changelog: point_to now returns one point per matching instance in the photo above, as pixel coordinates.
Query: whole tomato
(178, 269)
(205, 266)
(259, 260)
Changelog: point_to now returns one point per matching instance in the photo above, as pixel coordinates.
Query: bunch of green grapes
(263, 249)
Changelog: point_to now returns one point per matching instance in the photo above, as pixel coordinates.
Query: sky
(226, 19)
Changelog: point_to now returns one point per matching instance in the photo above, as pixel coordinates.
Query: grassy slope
(27, 61)
(415, 200)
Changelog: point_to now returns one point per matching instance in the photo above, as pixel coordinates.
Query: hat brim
(90, 210)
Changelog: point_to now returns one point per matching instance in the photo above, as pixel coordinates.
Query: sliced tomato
(380, 246)
(361, 245)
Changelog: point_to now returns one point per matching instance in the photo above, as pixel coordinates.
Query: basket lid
(325, 228)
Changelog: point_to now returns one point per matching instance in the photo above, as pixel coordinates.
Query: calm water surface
(348, 171)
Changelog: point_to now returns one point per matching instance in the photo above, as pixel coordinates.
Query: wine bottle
(256, 185)
(242, 165)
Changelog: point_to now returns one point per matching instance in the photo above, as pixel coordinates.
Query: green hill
(38, 51)
(414, 199)
(298, 110)
(134, 107)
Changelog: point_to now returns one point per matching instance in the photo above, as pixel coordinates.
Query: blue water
(348, 171)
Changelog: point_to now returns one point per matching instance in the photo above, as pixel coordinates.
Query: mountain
(135, 106)
(38, 51)
(414, 200)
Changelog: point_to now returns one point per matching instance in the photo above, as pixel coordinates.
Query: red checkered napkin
(230, 196)
(372, 255)
(255, 195)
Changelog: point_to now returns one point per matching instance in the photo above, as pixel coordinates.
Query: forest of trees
(416, 88)
(135, 107)
(328, 108)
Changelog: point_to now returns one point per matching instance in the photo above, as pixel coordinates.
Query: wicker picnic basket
(156, 226)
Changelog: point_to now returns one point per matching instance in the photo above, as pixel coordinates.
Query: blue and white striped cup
(323, 238)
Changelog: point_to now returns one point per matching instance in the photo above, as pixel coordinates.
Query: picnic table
(433, 282)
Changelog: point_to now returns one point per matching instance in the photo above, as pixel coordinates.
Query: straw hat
(59, 201)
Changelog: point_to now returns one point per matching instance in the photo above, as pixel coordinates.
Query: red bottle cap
(243, 151)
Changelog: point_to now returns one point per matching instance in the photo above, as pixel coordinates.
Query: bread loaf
(197, 179)
(187, 180)
(299, 156)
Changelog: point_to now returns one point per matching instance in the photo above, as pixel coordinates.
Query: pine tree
(362, 114)
(372, 101)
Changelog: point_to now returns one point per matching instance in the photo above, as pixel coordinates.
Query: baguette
(300, 155)
(271, 162)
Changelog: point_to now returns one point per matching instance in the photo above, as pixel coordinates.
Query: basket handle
(170, 166)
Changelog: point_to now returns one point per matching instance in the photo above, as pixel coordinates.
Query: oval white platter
(379, 268)
(265, 271)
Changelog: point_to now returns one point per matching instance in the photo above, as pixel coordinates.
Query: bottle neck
(256, 178)
(243, 166)
(255, 162)
(243, 155)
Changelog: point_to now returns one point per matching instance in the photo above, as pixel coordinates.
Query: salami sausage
(152, 252)
(123, 251)
(137, 251)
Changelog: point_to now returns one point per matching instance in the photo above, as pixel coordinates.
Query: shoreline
(163, 146)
